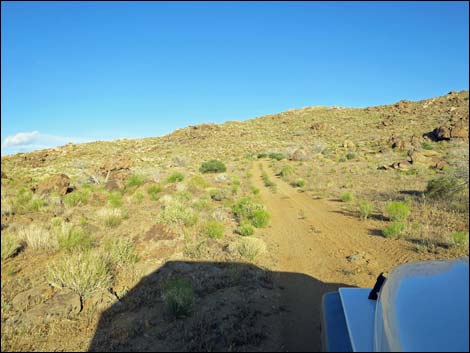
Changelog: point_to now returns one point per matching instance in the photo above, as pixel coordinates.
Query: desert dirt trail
(309, 242)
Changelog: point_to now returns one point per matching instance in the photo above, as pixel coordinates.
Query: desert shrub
(286, 171)
(443, 187)
(248, 247)
(135, 180)
(245, 229)
(212, 166)
(299, 183)
(153, 192)
(115, 199)
(254, 190)
(235, 181)
(183, 196)
(27, 201)
(73, 238)
(426, 146)
(121, 252)
(10, 246)
(213, 229)
(38, 238)
(78, 197)
(82, 272)
(178, 295)
(175, 213)
(276, 156)
(365, 209)
(346, 196)
(198, 182)
(111, 217)
(235, 189)
(138, 197)
(219, 194)
(398, 211)
(201, 204)
(56, 222)
(350, 155)
(393, 230)
(175, 177)
(459, 238)
(247, 210)
(262, 155)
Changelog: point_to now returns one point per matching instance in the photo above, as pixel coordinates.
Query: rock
(299, 132)
(117, 179)
(441, 133)
(299, 155)
(397, 142)
(318, 126)
(115, 164)
(59, 183)
(31, 297)
(221, 178)
(459, 130)
(64, 304)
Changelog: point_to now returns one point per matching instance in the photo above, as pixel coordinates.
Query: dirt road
(315, 238)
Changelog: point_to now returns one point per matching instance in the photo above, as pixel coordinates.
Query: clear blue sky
(86, 71)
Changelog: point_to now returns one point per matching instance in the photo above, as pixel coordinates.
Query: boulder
(31, 297)
(59, 183)
(64, 304)
(299, 155)
(318, 126)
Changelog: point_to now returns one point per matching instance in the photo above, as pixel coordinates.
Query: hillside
(134, 244)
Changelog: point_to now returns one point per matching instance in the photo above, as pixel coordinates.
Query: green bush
(212, 166)
(254, 190)
(346, 197)
(73, 238)
(115, 199)
(365, 209)
(135, 180)
(78, 197)
(459, 238)
(247, 210)
(153, 192)
(393, 230)
(178, 295)
(398, 211)
(213, 229)
(245, 229)
(350, 155)
(175, 177)
(443, 187)
(276, 156)
(286, 171)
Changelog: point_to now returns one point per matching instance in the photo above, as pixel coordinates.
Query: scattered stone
(221, 178)
(31, 297)
(299, 155)
(59, 183)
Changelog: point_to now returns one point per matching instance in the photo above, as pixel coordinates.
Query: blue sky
(82, 71)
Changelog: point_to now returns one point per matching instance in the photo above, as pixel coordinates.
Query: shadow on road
(237, 307)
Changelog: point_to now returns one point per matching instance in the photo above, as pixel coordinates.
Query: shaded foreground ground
(238, 307)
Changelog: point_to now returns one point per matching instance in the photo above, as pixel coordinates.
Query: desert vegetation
(83, 225)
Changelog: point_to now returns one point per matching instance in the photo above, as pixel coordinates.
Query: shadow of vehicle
(235, 307)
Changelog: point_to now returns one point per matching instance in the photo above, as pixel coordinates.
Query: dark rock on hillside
(59, 183)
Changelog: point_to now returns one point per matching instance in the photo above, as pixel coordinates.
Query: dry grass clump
(111, 217)
(82, 272)
(10, 246)
(248, 247)
(38, 238)
(176, 213)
